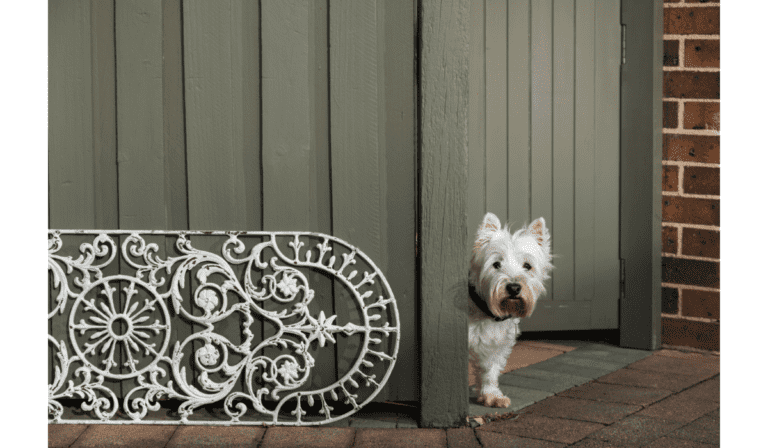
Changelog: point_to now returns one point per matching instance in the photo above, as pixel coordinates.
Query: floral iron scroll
(162, 332)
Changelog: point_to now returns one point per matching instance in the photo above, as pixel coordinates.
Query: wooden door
(544, 141)
(242, 115)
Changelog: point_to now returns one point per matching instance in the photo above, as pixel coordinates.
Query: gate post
(443, 112)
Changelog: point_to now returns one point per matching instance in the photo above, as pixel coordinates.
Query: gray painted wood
(400, 171)
(496, 107)
(104, 115)
(355, 143)
(552, 114)
(607, 139)
(285, 115)
(444, 99)
(476, 149)
(139, 37)
(541, 114)
(319, 174)
(174, 142)
(70, 135)
(584, 213)
(518, 112)
(216, 193)
(640, 319)
(563, 156)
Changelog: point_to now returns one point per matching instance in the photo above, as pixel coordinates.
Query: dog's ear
(490, 223)
(538, 229)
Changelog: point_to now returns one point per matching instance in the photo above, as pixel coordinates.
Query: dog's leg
(489, 393)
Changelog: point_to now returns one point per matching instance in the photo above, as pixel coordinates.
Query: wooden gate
(242, 115)
(544, 141)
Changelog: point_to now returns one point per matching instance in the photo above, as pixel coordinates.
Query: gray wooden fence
(242, 115)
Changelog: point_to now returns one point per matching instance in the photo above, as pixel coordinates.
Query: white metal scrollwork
(122, 353)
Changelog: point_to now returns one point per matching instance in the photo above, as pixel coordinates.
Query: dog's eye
(497, 265)
(527, 266)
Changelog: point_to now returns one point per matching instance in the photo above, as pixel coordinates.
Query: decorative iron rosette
(189, 327)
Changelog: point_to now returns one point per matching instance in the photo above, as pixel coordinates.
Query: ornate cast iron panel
(147, 327)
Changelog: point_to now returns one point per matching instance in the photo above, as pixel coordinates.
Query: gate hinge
(622, 278)
(623, 44)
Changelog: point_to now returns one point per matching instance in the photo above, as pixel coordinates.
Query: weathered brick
(702, 1)
(669, 178)
(671, 1)
(669, 239)
(691, 148)
(692, 20)
(669, 300)
(692, 84)
(635, 431)
(679, 408)
(385, 438)
(671, 53)
(690, 333)
(616, 393)
(674, 363)
(461, 438)
(540, 427)
(701, 243)
(700, 115)
(690, 210)
(702, 53)
(670, 114)
(701, 303)
(701, 180)
(654, 380)
(690, 272)
(579, 409)
(220, 436)
(145, 436)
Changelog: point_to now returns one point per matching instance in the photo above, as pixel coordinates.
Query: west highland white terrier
(506, 277)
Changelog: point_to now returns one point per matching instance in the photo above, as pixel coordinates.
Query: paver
(553, 386)
(669, 442)
(704, 429)
(680, 408)
(702, 367)
(499, 440)
(586, 410)
(219, 436)
(650, 379)
(396, 438)
(461, 438)
(635, 431)
(614, 393)
(285, 437)
(544, 428)
(64, 435)
(143, 436)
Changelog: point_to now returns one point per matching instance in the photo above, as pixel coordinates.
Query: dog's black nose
(513, 289)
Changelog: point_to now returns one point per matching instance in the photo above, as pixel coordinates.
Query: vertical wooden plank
(175, 155)
(562, 149)
(444, 88)
(216, 195)
(221, 100)
(141, 154)
(400, 176)
(354, 125)
(104, 111)
(139, 37)
(71, 174)
(476, 205)
(320, 175)
(607, 89)
(355, 150)
(285, 114)
(519, 111)
(496, 108)
(584, 233)
(640, 178)
(541, 116)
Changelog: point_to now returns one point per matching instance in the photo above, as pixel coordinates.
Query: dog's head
(507, 269)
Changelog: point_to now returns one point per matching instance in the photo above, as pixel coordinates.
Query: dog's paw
(494, 400)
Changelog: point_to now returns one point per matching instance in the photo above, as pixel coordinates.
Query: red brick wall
(691, 175)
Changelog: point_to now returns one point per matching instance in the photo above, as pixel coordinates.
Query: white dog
(506, 277)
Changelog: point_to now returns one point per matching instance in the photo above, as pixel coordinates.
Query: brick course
(691, 175)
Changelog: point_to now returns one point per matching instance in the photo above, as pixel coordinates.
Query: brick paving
(667, 399)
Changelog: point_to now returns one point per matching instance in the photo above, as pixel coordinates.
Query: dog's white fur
(506, 272)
